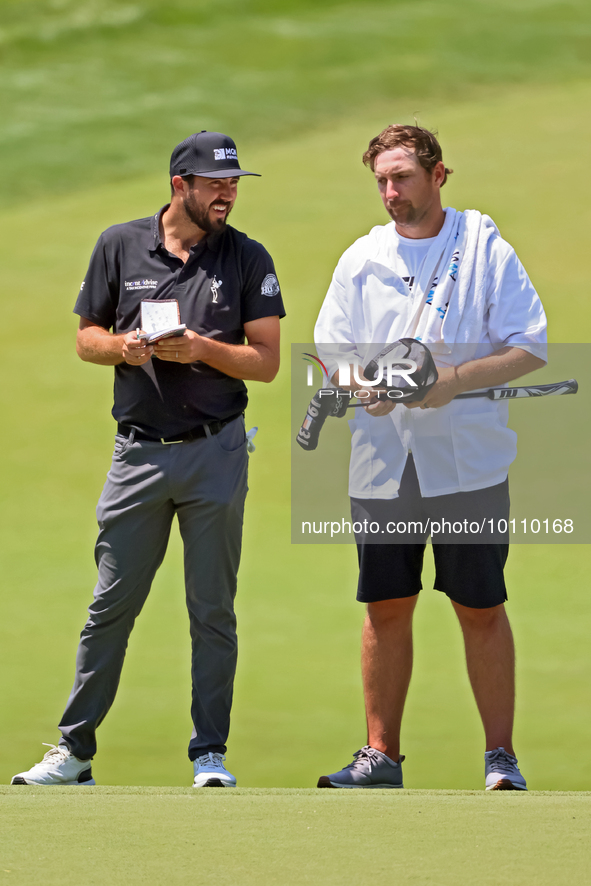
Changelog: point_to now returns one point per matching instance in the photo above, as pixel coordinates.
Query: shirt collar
(155, 239)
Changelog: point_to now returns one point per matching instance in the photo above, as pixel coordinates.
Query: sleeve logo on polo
(225, 154)
(136, 285)
(270, 285)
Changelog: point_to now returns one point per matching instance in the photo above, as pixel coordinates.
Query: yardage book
(160, 319)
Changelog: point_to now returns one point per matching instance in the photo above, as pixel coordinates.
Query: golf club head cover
(424, 376)
(334, 402)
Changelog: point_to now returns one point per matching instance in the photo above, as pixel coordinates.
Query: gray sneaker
(502, 772)
(369, 769)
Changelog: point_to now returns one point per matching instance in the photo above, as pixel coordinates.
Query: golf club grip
(525, 391)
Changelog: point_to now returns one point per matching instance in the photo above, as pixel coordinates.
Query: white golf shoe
(502, 772)
(58, 767)
(210, 772)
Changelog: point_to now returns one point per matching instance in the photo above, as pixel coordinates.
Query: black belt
(183, 437)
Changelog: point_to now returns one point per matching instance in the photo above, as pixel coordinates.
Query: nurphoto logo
(386, 371)
(312, 361)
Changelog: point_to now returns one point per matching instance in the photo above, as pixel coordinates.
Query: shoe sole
(505, 785)
(18, 779)
(214, 783)
(325, 782)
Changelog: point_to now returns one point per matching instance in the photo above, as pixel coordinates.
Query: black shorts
(469, 572)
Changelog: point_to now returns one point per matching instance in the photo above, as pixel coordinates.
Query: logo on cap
(225, 154)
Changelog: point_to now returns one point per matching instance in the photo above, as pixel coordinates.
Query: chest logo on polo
(137, 285)
(270, 285)
(215, 285)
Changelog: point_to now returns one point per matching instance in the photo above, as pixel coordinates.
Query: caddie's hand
(443, 391)
(135, 351)
(378, 406)
(184, 348)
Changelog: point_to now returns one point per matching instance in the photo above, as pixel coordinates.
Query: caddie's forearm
(251, 362)
(503, 366)
(97, 345)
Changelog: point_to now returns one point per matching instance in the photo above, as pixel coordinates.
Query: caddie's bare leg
(386, 661)
(490, 657)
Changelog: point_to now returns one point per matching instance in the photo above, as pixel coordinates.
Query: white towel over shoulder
(459, 300)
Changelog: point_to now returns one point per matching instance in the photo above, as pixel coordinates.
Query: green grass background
(96, 94)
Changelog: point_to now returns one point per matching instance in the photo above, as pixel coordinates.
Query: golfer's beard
(199, 215)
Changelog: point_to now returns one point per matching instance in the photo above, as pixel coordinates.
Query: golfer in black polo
(180, 447)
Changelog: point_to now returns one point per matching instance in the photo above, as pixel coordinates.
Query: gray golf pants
(204, 482)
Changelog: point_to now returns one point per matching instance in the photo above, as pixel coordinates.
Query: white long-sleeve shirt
(372, 300)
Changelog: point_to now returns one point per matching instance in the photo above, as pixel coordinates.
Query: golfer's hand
(443, 391)
(135, 351)
(180, 349)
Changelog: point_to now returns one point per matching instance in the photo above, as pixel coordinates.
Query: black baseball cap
(210, 154)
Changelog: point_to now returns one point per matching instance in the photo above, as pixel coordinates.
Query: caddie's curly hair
(422, 141)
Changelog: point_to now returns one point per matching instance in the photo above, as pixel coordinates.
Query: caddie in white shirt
(447, 279)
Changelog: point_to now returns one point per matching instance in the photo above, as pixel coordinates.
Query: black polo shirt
(227, 281)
